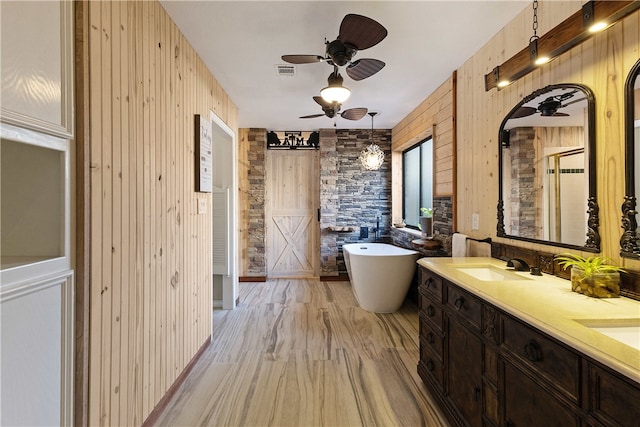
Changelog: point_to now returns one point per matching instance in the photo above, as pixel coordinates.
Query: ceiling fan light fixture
(335, 92)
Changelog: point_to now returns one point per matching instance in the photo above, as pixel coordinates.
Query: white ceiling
(241, 42)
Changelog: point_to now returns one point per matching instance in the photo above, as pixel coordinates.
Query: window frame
(418, 146)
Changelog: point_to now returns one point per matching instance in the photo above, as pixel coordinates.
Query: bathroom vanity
(505, 348)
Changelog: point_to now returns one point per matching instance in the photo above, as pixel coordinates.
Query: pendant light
(372, 156)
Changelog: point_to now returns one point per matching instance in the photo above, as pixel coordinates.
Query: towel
(459, 245)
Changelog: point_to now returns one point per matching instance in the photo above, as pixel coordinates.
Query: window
(417, 181)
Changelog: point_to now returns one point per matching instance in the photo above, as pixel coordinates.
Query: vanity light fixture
(595, 14)
(335, 92)
(371, 157)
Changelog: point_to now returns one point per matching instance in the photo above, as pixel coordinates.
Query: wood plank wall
(150, 303)
(433, 117)
(602, 63)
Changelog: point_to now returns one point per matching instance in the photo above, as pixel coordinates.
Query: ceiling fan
(331, 109)
(549, 107)
(357, 32)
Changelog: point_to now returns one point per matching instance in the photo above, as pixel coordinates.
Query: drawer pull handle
(459, 303)
(430, 365)
(428, 282)
(430, 338)
(431, 311)
(533, 351)
(476, 394)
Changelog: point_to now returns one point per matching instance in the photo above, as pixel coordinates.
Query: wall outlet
(475, 221)
(202, 206)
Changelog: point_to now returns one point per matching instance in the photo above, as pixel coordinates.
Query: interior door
(291, 209)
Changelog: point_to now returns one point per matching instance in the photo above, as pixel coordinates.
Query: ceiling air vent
(286, 70)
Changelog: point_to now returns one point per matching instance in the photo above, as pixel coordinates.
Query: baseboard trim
(252, 279)
(342, 277)
(152, 419)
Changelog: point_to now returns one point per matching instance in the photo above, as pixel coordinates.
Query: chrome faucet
(518, 264)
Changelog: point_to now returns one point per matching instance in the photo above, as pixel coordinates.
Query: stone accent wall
(351, 196)
(329, 203)
(256, 158)
(443, 215)
(523, 191)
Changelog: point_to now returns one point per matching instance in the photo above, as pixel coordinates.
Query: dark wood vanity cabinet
(487, 368)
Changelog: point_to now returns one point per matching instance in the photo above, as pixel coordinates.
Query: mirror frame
(629, 246)
(592, 242)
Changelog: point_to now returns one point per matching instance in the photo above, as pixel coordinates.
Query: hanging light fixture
(372, 156)
(335, 92)
(534, 54)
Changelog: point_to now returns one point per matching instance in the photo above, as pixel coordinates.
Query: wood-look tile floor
(303, 353)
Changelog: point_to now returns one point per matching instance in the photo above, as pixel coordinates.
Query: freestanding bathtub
(380, 274)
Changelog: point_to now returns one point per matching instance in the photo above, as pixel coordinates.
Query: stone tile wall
(256, 158)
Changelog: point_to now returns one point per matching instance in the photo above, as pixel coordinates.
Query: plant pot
(426, 226)
(598, 285)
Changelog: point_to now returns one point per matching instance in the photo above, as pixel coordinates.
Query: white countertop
(547, 303)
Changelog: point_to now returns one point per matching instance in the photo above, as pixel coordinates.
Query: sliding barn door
(292, 202)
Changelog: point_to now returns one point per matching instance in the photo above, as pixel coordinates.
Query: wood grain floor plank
(299, 352)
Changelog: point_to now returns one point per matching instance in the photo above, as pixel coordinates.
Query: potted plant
(592, 276)
(426, 222)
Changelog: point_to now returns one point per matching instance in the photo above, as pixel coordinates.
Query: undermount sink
(626, 331)
(489, 273)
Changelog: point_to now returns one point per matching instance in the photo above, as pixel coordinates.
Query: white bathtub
(380, 274)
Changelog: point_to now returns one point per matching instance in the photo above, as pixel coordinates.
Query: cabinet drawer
(529, 405)
(609, 399)
(431, 366)
(557, 364)
(431, 338)
(431, 285)
(431, 312)
(464, 304)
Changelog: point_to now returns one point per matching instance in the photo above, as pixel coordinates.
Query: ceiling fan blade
(572, 102)
(324, 104)
(363, 68)
(354, 113)
(559, 114)
(311, 116)
(302, 59)
(523, 112)
(361, 32)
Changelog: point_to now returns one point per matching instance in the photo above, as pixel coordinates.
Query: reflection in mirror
(629, 246)
(547, 169)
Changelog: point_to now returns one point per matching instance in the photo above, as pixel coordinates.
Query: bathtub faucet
(377, 231)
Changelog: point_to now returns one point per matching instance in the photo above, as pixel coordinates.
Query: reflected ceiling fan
(357, 32)
(549, 107)
(331, 109)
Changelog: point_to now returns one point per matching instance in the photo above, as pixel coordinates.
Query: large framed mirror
(629, 246)
(547, 169)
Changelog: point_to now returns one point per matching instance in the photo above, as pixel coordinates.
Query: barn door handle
(318, 214)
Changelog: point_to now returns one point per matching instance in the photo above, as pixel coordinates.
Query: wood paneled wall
(602, 63)
(433, 117)
(150, 253)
